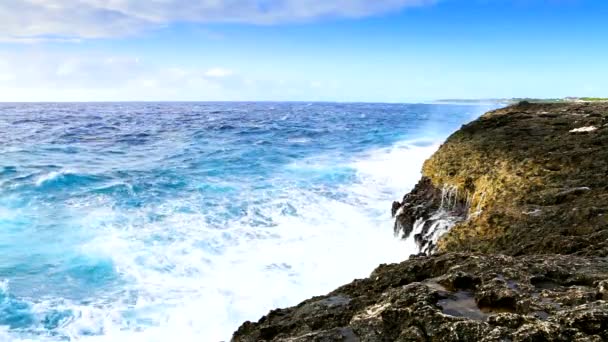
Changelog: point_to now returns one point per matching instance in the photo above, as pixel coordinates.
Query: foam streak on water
(143, 222)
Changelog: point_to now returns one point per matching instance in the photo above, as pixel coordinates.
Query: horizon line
(267, 101)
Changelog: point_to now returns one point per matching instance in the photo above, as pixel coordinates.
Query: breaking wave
(196, 230)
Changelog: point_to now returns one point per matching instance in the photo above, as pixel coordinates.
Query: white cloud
(218, 72)
(35, 20)
(36, 75)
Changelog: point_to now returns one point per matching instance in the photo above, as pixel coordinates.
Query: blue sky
(301, 50)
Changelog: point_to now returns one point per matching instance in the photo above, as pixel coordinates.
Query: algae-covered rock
(533, 183)
(513, 210)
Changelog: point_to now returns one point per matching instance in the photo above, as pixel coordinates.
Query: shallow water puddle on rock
(458, 304)
(462, 304)
(512, 284)
(334, 301)
(544, 283)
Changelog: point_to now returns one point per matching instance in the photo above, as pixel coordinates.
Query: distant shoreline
(510, 101)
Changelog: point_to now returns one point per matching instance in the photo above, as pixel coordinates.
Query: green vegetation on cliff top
(509, 101)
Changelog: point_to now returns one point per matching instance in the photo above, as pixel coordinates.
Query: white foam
(301, 140)
(47, 177)
(200, 283)
(391, 170)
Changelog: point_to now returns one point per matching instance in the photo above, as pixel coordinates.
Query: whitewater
(160, 221)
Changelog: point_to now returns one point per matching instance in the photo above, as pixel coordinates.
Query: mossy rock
(538, 180)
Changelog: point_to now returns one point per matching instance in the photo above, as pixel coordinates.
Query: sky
(301, 50)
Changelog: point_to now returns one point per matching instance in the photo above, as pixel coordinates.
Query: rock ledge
(512, 210)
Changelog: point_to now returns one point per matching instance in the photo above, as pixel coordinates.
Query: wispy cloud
(37, 75)
(35, 20)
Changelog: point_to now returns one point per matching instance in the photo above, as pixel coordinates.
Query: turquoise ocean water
(179, 221)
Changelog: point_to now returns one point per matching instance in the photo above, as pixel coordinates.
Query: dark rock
(407, 302)
(429, 209)
(523, 258)
(421, 203)
(532, 187)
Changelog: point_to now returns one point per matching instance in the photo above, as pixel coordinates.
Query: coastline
(523, 255)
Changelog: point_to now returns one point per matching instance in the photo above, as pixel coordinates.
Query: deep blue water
(147, 221)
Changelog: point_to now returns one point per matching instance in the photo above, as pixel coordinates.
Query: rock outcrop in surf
(428, 212)
(528, 179)
(512, 214)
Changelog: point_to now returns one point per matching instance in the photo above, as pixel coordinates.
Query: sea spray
(430, 220)
(139, 222)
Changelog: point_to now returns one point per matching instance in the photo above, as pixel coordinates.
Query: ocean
(179, 221)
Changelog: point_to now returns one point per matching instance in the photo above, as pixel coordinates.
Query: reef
(510, 218)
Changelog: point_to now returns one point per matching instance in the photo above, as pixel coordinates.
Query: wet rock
(485, 298)
(590, 319)
(507, 320)
(427, 212)
(531, 186)
(421, 203)
(523, 258)
(496, 296)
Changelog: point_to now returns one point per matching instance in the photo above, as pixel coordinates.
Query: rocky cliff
(512, 211)
(526, 179)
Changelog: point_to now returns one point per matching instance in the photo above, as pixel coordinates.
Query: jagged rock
(532, 186)
(453, 297)
(427, 210)
(517, 183)
(421, 203)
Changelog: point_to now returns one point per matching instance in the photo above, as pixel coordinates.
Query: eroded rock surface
(535, 184)
(454, 297)
(526, 188)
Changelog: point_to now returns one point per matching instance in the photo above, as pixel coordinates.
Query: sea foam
(189, 280)
(196, 228)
